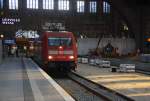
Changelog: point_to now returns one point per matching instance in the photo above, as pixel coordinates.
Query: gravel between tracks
(77, 91)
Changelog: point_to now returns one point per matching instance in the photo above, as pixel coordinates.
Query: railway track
(98, 90)
(78, 92)
(83, 89)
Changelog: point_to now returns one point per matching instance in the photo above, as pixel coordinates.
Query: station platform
(133, 85)
(22, 80)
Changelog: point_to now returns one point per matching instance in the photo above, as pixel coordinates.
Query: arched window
(48, 4)
(106, 7)
(1, 4)
(63, 4)
(13, 4)
(93, 6)
(32, 4)
(80, 6)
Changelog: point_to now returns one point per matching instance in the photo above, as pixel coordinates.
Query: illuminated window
(13, 4)
(48, 4)
(93, 6)
(63, 5)
(148, 39)
(1, 4)
(27, 34)
(106, 7)
(80, 6)
(32, 4)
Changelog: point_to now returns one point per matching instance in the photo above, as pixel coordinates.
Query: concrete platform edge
(59, 89)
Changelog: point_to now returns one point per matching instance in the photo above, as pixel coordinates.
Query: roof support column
(100, 7)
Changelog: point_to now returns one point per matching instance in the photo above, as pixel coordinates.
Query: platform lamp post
(1, 36)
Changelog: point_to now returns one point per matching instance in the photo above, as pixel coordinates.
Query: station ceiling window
(63, 5)
(13, 4)
(93, 6)
(32, 4)
(48, 4)
(106, 7)
(1, 4)
(80, 6)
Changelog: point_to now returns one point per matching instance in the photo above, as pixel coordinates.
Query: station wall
(84, 45)
(124, 45)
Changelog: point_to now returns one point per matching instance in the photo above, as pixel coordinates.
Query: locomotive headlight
(71, 57)
(50, 57)
(60, 47)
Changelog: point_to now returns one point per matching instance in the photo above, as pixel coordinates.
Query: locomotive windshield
(59, 41)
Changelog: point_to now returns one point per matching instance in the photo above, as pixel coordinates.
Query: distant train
(57, 50)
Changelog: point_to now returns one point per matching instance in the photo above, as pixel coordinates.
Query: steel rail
(99, 90)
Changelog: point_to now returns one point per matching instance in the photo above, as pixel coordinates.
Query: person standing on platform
(17, 52)
(13, 50)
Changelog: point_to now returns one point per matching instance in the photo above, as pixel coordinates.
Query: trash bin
(113, 69)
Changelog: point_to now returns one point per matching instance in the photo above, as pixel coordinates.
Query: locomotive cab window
(59, 41)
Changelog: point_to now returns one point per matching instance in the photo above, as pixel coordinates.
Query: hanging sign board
(9, 42)
(9, 21)
(53, 26)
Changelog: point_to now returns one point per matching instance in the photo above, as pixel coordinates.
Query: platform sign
(9, 21)
(9, 42)
(49, 26)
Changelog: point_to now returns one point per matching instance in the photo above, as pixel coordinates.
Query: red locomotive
(58, 49)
